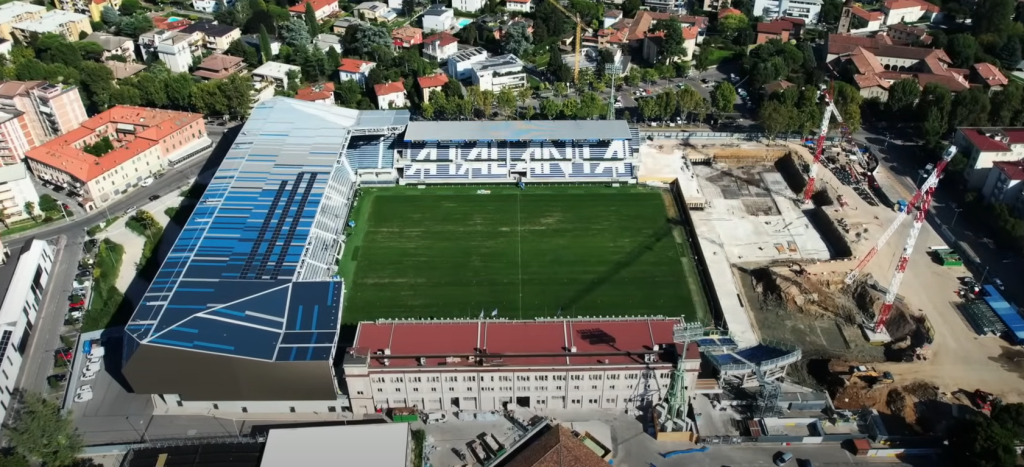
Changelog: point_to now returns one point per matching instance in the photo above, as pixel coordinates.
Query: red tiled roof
(978, 137)
(444, 38)
(1013, 170)
(438, 80)
(550, 342)
(990, 74)
(317, 5)
(152, 125)
(690, 32)
(867, 15)
(902, 4)
(519, 1)
(843, 44)
(557, 447)
(389, 88)
(351, 65)
(777, 86)
(795, 21)
(613, 13)
(774, 27)
(316, 93)
(728, 11)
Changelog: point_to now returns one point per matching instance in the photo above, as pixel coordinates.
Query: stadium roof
(230, 284)
(518, 131)
(325, 445)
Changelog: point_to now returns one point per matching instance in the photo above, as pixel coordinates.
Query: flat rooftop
(379, 445)
(561, 130)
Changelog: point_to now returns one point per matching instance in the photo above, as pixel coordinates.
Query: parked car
(146, 181)
(998, 283)
(84, 273)
(57, 378)
(131, 210)
(782, 458)
(75, 309)
(80, 302)
(154, 197)
(63, 354)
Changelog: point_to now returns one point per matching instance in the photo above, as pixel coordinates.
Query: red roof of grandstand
(315, 93)
(351, 65)
(728, 11)
(438, 80)
(1013, 170)
(550, 343)
(317, 5)
(444, 38)
(389, 88)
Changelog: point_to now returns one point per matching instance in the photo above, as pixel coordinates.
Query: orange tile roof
(690, 32)
(316, 93)
(867, 15)
(317, 5)
(444, 38)
(902, 4)
(63, 153)
(407, 33)
(774, 27)
(438, 80)
(351, 65)
(728, 11)
(990, 74)
(389, 88)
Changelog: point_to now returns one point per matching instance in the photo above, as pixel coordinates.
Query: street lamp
(142, 435)
(957, 213)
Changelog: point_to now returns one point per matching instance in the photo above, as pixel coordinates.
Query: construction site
(813, 262)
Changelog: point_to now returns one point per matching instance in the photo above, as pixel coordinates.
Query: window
(665, 375)
(593, 388)
(359, 393)
(523, 388)
(433, 379)
(380, 389)
(378, 379)
(451, 388)
(469, 389)
(576, 401)
(577, 377)
(505, 378)
(216, 407)
(182, 405)
(414, 379)
(540, 378)
(595, 377)
(451, 379)
(575, 388)
(592, 401)
(398, 389)
(415, 389)
(291, 409)
(398, 380)
(609, 401)
(613, 377)
(332, 408)
(469, 379)
(558, 388)
(611, 387)
(433, 389)
(559, 377)
(522, 378)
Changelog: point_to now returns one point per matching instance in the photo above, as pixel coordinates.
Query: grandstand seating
(387, 152)
(757, 356)
(716, 344)
(364, 152)
(436, 171)
(490, 170)
(548, 169)
(634, 140)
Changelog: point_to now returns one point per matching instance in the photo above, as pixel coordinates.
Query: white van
(435, 417)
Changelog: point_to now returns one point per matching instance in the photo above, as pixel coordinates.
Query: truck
(492, 443)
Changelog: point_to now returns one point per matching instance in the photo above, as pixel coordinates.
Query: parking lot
(454, 437)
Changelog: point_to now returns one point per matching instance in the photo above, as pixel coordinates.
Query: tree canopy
(39, 430)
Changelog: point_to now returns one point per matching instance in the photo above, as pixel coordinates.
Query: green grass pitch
(449, 252)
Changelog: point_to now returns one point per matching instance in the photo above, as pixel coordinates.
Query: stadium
(318, 209)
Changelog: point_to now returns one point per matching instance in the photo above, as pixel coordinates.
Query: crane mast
(924, 197)
(819, 148)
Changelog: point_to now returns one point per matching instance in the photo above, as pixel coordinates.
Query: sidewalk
(134, 243)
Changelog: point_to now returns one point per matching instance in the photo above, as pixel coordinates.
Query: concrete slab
(456, 434)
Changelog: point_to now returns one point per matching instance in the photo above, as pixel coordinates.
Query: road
(69, 236)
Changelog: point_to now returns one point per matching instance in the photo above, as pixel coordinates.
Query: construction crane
(919, 214)
(579, 37)
(819, 149)
(918, 196)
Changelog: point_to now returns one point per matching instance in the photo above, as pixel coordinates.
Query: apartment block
(24, 277)
(93, 8)
(174, 48)
(984, 147)
(68, 24)
(146, 141)
(49, 109)
(807, 10)
(15, 138)
(16, 189)
(1003, 185)
(17, 12)
(497, 73)
(114, 46)
(488, 365)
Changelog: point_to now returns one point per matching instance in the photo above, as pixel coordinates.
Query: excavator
(871, 376)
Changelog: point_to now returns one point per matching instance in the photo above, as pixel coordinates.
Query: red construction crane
(924, 197)
(819, 149)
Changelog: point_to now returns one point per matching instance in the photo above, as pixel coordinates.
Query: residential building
(558, 444)
(496, 25)
(863, 21)
(988, 76)
(666, 6)
(354, 69)
(390, 95)
(438, 18)
(611, 17)
(172, 47)
(469, 6)
(1003, 185)
(17, 12)
(326, 42)
(67, 24)
(273, 74)
(15, 137)
(212, 36)
(192, 361)
(407, 36)
(210, 6)
(521, 6)
(16, 189)
(24, 278)
(460, 65)
(877, 63)
(497, 73)
(321, 93)
(448, 365)
(728, 11)
(395, 5)
(711, 5)
(342, 25)
(124, 70)
(907, 34)
(631, 32)
(440, 46)
(219, 66)
(49, 109)
(114, 46)
(653, 44)
(374, 12)
(776, 86)
(775, 29)
(146, 141)
(253, 40)
(93, 8)
(807, 10)
(910, 11)
(164, 23)
(376, 444)
(983, 147)
(321, 8)
(429, 84)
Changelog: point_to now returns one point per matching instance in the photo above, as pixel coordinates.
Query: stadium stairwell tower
(672, 415)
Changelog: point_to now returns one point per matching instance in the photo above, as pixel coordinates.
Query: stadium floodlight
(613, 70)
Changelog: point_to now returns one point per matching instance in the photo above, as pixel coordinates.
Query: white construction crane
(819, 149)
(918, 206)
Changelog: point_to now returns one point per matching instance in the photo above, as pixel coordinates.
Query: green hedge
(419, 438)
(101, 226)
(105, 297)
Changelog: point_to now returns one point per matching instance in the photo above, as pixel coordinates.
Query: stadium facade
(245, 312)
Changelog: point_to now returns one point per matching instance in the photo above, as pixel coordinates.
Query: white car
(83, 396)
(84, 388)
(89, 376)
(147, 181)
(131, 210)
(618, 105)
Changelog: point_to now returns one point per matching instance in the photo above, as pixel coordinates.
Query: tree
(933, 109)
(516, 40)
(847, 100)
(110, 16)
(179, 90)
(570, 109)
(89, 50)
(961, 49)
(311, 21)
(672, 45)
(30, 209)
(242, 50)
(561, 90)
(266, 52)
(993, 17)
(295, 33)
(731, 24)
(903, 94)
(630, 8)
(468, 35)
(549, 22)
(978, 441)
(408, 7)
(775, 117)
(506, 101)
(39, 430)
(1010, 417)
(1009, 54)
(970, 108)
(13, 459)
(372, 41)
(135, 25)
(723, 98)
(556, 67)
(131, 7)
(702, 61)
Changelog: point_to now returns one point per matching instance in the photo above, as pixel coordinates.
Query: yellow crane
(579, 37)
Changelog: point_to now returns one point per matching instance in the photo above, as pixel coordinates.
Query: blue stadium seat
(446, 171)
(634, 134)
(517, 151)
(552, 169)
(760, 353)
(492, 170)
(387, 155)
(364, 152)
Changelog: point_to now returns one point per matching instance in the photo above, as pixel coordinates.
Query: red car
(63, 354)
(78, 303)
